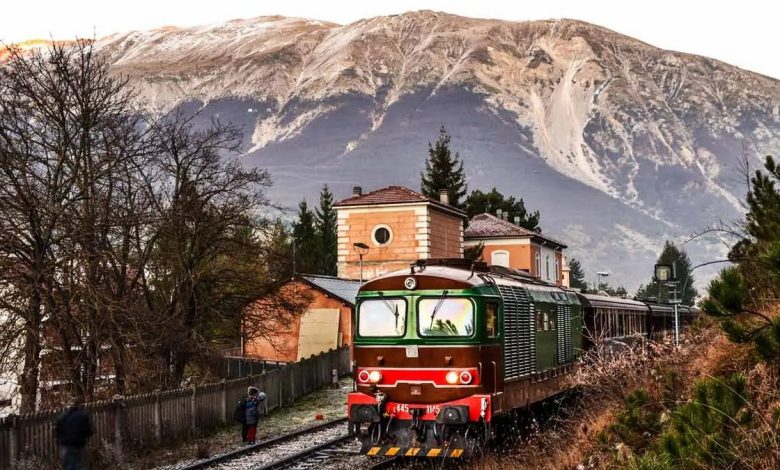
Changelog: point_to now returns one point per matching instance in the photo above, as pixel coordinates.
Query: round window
(382, 235)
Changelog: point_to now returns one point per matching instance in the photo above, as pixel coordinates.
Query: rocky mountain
(618, 143)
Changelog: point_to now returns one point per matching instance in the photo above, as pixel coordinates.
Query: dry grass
(572, 441)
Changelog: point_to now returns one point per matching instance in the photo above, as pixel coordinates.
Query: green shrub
(638, 422)
(703, 432)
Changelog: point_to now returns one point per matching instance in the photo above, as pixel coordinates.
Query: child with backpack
(248, 414)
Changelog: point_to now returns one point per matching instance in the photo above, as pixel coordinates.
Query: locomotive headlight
(375, 376)
(363, 376)
(465, 377)
(451, 377)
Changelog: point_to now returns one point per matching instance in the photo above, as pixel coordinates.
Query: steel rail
(244, 451)
(304, 455)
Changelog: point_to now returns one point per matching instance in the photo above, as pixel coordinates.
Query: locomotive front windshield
(382, 318)
(445, 316)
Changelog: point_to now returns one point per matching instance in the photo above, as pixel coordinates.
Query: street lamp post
(361, 249)
(599, 275)
(667, 274)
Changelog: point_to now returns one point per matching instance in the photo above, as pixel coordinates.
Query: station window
(491, 319)
(381, 235)
(538, 265)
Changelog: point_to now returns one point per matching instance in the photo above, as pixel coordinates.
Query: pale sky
(740, 32)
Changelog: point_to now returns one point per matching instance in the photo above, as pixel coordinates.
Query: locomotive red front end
(427, 358)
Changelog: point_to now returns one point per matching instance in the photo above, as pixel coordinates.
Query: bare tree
(206, 266)
(122, 237)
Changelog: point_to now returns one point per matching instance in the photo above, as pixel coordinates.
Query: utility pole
(676, 304)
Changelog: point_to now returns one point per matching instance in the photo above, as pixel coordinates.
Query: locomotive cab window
(444, 316)
(382, 318)
(491, 319)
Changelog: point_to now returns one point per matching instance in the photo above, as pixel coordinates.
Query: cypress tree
(443, 171)
(326, 233)
(577, 275)
(305, 240)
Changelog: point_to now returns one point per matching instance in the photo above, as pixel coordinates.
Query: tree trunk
(32, 357)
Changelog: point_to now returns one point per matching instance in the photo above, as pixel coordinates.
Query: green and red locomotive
(446, 350)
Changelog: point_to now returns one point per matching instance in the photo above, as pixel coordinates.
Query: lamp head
(663, 272)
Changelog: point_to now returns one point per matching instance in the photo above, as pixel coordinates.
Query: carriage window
(445, 317)
(546, 321)
(382, 318)
(491, 319)
(539, 321)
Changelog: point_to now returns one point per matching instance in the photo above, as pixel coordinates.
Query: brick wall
(287, 324)
(446, 235)
(409, 242)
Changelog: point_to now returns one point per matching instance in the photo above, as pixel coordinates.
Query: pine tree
(326, 233)
(478, 202)
(305, 241)
(741, 296)
(474, 252)
(278, 252)
(576, 275)
(443, 171)
(703, 432)
(671, 254)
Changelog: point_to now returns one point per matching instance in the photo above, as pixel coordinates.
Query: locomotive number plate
(412, 351)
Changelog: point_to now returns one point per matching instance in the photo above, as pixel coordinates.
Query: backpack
(239, 414)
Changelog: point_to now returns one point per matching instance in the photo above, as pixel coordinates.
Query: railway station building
(509, 245)
(382, 231)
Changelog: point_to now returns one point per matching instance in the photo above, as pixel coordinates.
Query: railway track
(302, 449)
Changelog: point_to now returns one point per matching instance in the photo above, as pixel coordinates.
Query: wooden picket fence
(155, 419)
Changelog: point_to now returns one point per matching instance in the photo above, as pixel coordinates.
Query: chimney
(444, 196)
(500, 213)
(357, 191)
(517, 220)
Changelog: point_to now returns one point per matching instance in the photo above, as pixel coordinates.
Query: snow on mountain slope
(617, 142)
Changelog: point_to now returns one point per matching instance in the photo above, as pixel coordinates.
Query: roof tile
(394, 195)
(490, 226)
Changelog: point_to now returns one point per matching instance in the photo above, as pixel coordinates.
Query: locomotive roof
(432, 277)
(456, 274)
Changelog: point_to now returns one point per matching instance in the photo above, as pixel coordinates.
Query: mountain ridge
(618, 143)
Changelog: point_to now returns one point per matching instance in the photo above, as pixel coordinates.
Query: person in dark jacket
(252, 413)
(240, 415)
(72, 432)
